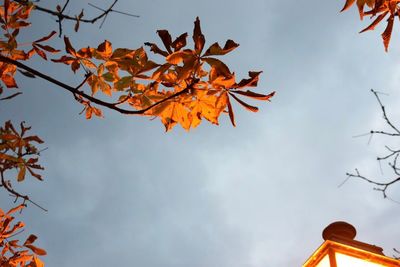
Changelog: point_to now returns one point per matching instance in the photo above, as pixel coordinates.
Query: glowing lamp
(341, 250)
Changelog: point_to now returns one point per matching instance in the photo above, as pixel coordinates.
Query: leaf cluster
(13, 253)
(377, 10)
(18, 151)
(189, 85)
(13, 18)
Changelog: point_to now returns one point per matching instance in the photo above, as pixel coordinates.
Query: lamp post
(341, 250)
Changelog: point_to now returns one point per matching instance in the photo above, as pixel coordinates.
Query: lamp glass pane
(324, 262)
(348, 261)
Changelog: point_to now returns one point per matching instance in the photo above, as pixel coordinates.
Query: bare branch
(392, 156)
(61, 16)
(17, 195)
(11, 96)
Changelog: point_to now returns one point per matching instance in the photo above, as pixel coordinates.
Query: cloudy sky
(121, 191)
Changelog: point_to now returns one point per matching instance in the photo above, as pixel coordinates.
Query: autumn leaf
(198, 37)
(166, 39)
(386, 35)
(179, 42)
(244, 104)
(379, 9)
(216, 50)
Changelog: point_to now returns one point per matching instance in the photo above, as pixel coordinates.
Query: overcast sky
(122, 192)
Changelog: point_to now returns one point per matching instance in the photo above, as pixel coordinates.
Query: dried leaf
(68, 47)
(230, 112)
(48, 48)
(36, 250)
(215, 49)
(179, 42)
(254, 95)
(375, 22)
(388, 33)
(347, 5)
(247, 106)
(155, 49)
(166, 39)
(9, 81)
(198, 37)
(45, 38)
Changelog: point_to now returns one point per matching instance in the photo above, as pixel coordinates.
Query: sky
(121, 191)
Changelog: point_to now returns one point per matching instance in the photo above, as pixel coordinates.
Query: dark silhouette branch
(76, 92)
(10, 96)
(15, 194)
(61, 16)
(391, 156)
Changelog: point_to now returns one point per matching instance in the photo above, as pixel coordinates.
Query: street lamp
(341, 250)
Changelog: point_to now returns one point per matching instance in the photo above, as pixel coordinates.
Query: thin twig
(16, 194)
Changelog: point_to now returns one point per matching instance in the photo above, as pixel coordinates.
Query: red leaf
(230, 112)
(48, 48)
(375, 22)
(155, 49)
(166, 39)
(36, 250)
(347, 5)
(247, 106)
(30, 239)
(40, 52)
(251, 82)
(254, 95)
(388, 33)
(46, 37)
(68, 46)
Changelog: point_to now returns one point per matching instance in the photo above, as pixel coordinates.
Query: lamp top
(345, 233)
(339, 229)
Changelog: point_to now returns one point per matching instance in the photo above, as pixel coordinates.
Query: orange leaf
(9, 81)
(218, 66)
(18, 208)
(21, 173)
(38, 262)
(254, 95)
(179, 56)
(105, 49)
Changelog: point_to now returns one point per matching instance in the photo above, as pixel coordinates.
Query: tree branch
(392, 155)
(75, 90)
(61, 16)
(17, 195)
